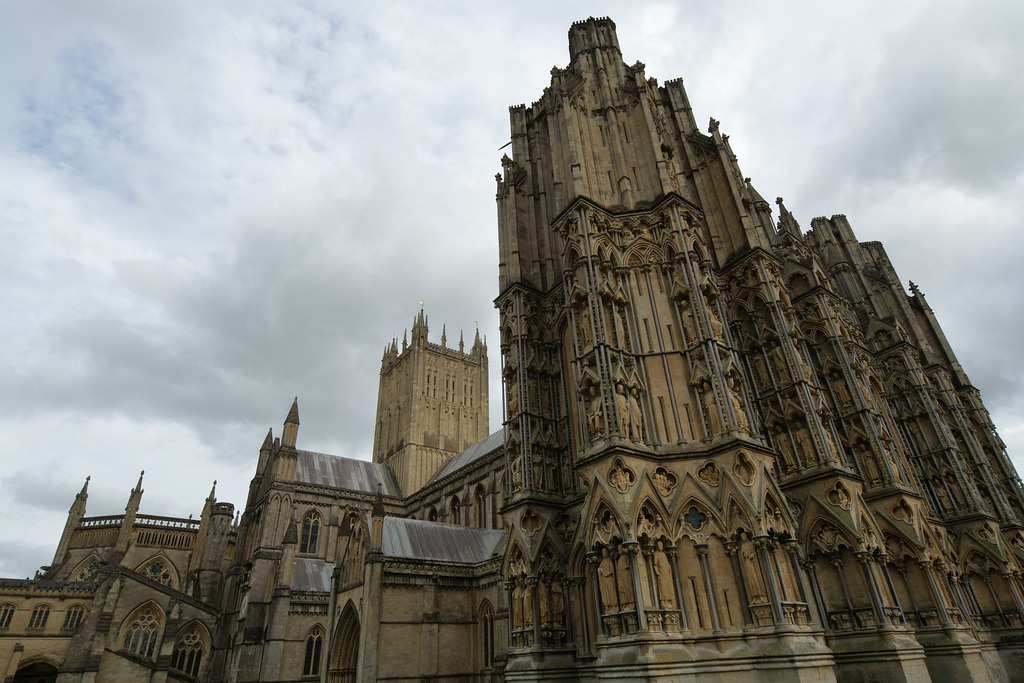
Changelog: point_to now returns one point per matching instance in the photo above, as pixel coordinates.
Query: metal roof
(470, 455)
(420, 540)
(344, 473)
(311, 574)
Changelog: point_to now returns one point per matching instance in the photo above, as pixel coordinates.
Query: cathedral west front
(731, 450)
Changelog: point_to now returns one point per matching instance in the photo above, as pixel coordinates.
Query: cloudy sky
(209, 208)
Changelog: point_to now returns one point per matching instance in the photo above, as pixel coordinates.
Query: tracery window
(481, 508)
(188, 650)
(141, 635)
(88, 571)
(310, 532)
(6, 612)
(456, 511)
(73, 616)
(314, 644)
(159, 570)
(39, 616)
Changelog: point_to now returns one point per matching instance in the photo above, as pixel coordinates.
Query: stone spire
(291, 426)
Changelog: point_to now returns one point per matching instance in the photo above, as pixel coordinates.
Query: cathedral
(732, 450)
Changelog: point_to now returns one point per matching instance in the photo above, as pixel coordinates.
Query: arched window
(73, 616)
(432, 514)
(487, 635)
(314, 643)
(160, 570)
(39, 616)
(310, 532)
(188, 649)
(481, 508)
(6, 612)
(455, 516)
(141, 631)
(87, 570)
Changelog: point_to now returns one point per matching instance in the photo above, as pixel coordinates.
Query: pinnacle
(293, 414)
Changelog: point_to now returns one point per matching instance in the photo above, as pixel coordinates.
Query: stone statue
(585, 338)
(783, 446)
(752, 574)
(714, 419)
(716, 325)
(622, 408)
(624, 579)
(688, 325)
(760, 371)
(557, 604)
(779, 361)
(595, 413)
(527, 607)
(663, 577)
(620, 326)
(737, 406)
(842, 393)
(636, 418)
(606, 582)
(806, 445)
(517, 606)
(543, 596)
(517, 469)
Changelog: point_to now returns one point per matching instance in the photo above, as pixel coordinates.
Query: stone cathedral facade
(732, 451)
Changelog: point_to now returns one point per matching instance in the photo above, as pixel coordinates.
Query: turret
(75, 515)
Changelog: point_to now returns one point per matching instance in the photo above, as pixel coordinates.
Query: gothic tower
(712, 419)
(431, 404)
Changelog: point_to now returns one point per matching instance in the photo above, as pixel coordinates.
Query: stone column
(531, 592)
(761, 544)
(702, 556)
(865, 559)
(673, 560)
(593, 559)
(819, 604)
(731, 549)
(511, 611)
(631, 548)
(648, 551)
(940, 602)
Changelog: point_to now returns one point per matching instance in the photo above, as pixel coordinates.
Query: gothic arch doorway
(40, 672)
(345, 651)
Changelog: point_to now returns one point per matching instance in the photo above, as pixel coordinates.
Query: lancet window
(314, 644)
(310, 532)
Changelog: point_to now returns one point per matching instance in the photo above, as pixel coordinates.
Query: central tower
(431, 404)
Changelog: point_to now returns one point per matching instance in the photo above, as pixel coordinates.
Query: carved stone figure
(783, 446)
(543, 599)
(714, 419)
(557, 604)
(716, 325)
(624, 579)
(842, 393)
(622, 408)
(752, 574)
(688, 323)
(737, 406)
(663, 577)
(779, 361)
(586, 341)
(517, 605)
(636, 418)
(595, 413)
(803, 441)
(606, 582)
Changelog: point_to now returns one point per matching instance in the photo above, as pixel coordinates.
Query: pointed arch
(141, 630)
(314, 647)
(311, 523)
(161, 570)
(486, 621)
(191, 644)
(345, 650)
(86, 570)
